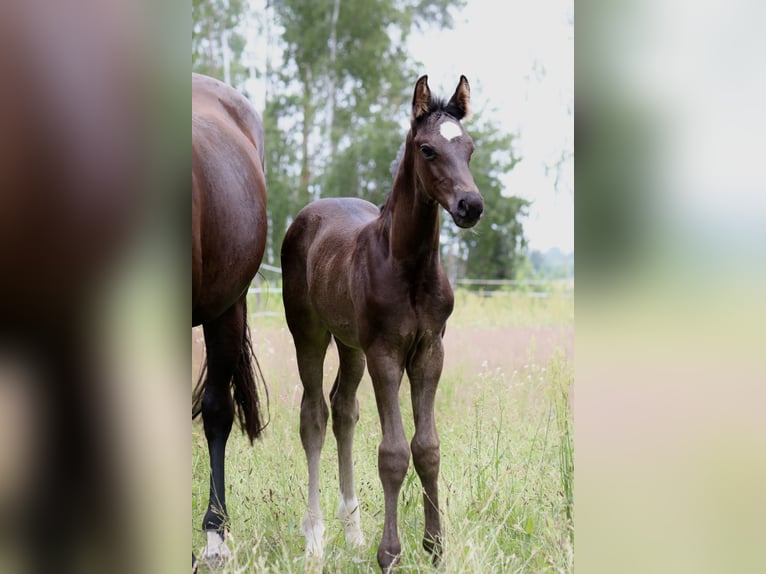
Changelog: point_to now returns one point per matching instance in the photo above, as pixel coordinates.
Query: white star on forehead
(450, 130)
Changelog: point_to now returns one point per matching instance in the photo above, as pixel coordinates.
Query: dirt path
(469, 350)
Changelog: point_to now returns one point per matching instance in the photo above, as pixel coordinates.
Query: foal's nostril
(462, 208)
(468, 208)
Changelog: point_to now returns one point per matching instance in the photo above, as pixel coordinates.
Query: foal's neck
(411, 217)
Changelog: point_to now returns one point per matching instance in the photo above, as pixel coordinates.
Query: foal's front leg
(424, 372)
(393, 452)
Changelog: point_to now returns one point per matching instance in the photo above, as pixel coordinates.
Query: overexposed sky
(519, 59)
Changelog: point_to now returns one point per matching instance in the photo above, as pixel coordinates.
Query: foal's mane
(439, 106)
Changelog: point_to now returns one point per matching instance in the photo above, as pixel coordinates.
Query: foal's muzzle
(467, 207)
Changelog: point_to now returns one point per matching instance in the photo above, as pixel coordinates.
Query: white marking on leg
(313, 523)
(216, 548)
(349, 515)
(313, 530)
(450, 130)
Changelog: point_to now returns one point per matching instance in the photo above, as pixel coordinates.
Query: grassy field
(504, 420)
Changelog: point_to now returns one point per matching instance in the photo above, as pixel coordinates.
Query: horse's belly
(227, 257)
(346, 334)
(333, 304)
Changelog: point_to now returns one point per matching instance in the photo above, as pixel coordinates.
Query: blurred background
(669, 432)
(94, 290)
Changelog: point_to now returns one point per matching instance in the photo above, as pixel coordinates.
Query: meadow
(503, 413)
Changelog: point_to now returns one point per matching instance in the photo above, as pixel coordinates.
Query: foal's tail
(244, 382)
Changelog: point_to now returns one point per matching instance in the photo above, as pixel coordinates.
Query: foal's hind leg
(424, 372)
(314, 414)
(345, 414)
(223, 338)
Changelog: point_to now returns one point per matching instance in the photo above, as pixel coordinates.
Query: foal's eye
(427, 151)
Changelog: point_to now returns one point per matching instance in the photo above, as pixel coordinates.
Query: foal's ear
(459, 105)
(421, 99)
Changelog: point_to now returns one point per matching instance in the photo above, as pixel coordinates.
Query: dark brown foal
(373, 280)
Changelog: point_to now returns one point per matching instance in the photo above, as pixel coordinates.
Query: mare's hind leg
(310, 352)
(345, 414)
(223, 339)
(424, 372)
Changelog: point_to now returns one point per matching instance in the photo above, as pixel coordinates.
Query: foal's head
(442, 151)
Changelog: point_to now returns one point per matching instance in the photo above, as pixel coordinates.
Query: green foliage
(338, 94)
(363, 169)
(350, 83)
(553, 264)
(215, 22)
(565, 380)
(495, 248)
(281, 173)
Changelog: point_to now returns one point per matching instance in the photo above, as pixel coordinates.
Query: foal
(372, 279)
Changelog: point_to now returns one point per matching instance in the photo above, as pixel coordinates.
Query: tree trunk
(306, 132)
(333, 77)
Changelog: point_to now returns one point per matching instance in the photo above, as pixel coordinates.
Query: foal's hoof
(216, 552)
(313, 531)
(433, 545)
(348, 514)
(354, 537)
(388, 561)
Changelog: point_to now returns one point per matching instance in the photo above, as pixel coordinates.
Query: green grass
(506, 471)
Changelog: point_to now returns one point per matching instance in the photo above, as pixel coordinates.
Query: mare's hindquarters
(228, 242)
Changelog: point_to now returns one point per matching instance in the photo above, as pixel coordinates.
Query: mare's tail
(244, 382)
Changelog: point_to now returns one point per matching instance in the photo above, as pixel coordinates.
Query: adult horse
(372, 279)
(228, 241)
